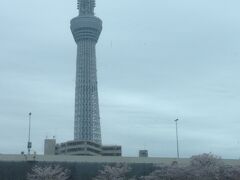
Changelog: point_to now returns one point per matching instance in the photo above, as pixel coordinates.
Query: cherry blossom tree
(231, 173)
(48, 173)
(164, 172)
(206, 167)
(118, 172)
(201, 167)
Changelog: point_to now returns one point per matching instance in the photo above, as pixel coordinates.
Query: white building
(80, 148)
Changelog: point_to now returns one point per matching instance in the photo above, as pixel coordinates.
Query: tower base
(86, 148)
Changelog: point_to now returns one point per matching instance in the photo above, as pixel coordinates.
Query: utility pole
(176, 121)
(29, 144)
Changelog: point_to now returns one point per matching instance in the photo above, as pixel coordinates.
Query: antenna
(29, 144)
(86, 7)
(176, 121)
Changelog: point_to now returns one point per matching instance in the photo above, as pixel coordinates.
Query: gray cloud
(157, 60)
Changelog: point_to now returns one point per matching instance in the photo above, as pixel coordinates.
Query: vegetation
(118, 172)
(48, 173)
(201, 167)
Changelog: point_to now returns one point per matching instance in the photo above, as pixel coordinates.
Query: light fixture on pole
(176, 121)
(29, 144)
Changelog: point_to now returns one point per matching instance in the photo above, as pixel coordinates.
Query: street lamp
(176, 121)
(29, 144)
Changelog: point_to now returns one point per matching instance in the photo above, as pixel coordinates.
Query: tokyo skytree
(86, 29)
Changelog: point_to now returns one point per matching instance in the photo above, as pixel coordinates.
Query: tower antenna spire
(86, 7)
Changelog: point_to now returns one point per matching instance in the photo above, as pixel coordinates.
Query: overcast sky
(157, 60)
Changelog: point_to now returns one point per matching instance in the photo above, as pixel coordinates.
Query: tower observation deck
(86, 29)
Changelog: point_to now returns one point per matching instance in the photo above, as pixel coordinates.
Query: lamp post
(29, 144)
(176, 121)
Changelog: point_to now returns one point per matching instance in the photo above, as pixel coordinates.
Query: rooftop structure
(143, 153)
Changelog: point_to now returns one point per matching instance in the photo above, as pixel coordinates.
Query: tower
(86, 29)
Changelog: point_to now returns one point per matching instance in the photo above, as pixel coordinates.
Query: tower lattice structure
(86, 29)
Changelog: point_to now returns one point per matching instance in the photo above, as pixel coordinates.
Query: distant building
(111, 151)
(50, 146)
(143, 153)
(80, 148)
